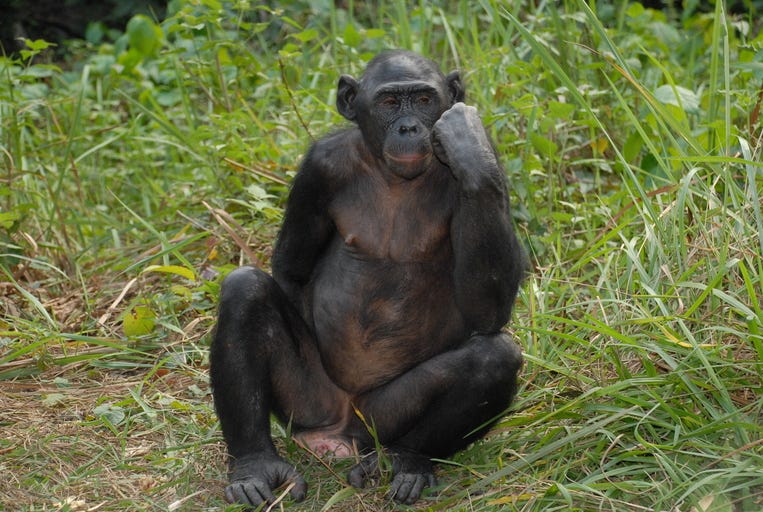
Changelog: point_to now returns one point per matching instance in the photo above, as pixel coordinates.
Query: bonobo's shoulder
(344, 137)
(335, 154)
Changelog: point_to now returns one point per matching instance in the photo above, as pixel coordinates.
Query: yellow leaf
(139, 321)
(600, 145)
(173, 269)
(511, 499)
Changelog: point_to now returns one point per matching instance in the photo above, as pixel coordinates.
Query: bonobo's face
(395, 104)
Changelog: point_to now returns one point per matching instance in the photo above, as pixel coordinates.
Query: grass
(138, 170)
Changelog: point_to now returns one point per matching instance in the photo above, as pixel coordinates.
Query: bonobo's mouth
(406, 159)
(408, 166)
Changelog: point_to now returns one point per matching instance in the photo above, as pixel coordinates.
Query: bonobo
(394, 271)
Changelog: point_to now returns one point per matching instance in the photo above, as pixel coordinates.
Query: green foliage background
(152, 161)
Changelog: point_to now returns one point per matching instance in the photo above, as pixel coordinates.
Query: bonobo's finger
(357, 477)
(231, 493)
(438, 150)
(437, 147)
(248, 492)
(360, 472)
(258, 490)
(299, 491)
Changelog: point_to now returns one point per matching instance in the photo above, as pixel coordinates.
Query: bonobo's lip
(408, 159)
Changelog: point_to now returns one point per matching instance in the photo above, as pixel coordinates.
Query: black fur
(394, 271)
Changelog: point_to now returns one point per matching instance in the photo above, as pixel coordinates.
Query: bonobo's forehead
(400, 67)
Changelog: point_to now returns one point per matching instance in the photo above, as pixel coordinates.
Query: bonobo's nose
(408, 127)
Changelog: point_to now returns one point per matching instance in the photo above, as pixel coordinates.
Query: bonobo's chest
(402, 222)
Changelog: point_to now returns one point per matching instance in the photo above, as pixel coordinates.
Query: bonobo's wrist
(485, 181)
(241, 467)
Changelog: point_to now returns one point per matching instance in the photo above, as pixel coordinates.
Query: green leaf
(8, 218)
(144, 35)
(632, 147)
(543, 145)
(94, 32)
(679, 97)
(213, 5)
(351, 36)
(306, 35)
(53, 399)
(62, 382)
(338, 497)
(37, 45)
(139, 321)
(182, 291)
(635, 10)
(112, 414)
(561, 110)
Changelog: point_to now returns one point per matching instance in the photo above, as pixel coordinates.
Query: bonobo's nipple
(350, 239)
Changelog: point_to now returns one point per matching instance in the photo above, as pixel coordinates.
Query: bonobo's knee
(244, 286)
(246, 297)
(497, 357)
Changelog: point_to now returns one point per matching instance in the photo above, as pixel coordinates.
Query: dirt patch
(114, 443)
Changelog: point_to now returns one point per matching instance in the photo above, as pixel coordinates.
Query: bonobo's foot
(412, 473)
(253, 478)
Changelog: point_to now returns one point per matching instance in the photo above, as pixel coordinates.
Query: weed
(137, 174)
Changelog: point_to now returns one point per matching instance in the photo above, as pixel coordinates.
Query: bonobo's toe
(368, 467)
(407, 487)
(412, 474)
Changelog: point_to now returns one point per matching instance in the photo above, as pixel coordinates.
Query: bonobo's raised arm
(488, 260)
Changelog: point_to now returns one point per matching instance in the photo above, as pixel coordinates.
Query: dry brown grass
(56, 450)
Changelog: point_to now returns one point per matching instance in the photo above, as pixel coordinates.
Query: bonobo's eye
(424, 99)
(389, 101)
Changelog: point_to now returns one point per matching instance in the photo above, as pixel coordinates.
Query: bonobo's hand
(411, 474)
(460, 142)
(254, 477)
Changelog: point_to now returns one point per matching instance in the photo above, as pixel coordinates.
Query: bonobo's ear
(345, 96)
(455, 87)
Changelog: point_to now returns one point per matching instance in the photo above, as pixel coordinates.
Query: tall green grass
(135, 173)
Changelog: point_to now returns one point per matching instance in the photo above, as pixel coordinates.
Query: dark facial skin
(395, 269)
(395, 105)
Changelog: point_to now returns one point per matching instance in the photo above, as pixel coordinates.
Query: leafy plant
(154, 161)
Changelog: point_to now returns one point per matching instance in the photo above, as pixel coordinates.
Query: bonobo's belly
(376, 318)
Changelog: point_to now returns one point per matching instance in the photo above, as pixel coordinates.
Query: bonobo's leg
(263, 359)
(439, 407)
